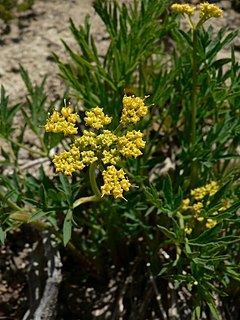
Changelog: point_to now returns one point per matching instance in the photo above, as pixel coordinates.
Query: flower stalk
(97, 194)
(206, 11)
(194, 169)
(93, 182)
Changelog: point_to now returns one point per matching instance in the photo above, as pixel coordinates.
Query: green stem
(82, 200)
(11, 151)
(93, 181)
(39, 153)
(119, 128)
(194, 90)
(189, 20)
(97, 194)
(194, 167)
(43, 145)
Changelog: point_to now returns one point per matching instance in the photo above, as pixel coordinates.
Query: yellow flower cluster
(196, 205)
(96, 118)
(200, 193)
(131, 143)
(133, 110)
(114, 182)
(68, 161)
(183, 8)
(87, 140)
(106, 139)
(211, 223)
(185, 204)
(224, 207)
(63, 122)
(188, 230)
(206, 10)
(111, 156)
(72, 160)
(103, 147)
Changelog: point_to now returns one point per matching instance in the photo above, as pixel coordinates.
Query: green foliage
(8, 8)
(8, 4)
(6, 115)
(25, 5)
(152, 224)
(127, 53)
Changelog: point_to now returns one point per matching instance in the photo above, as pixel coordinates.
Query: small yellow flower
(188, 230)
(87, 141)
(211, 223)
(200, 193)
(62, 123)
(96, 118)
(133, 110)
(88, 157)
(208, 11)
(212, 188)
(225, 206)
(66, 112)
(185, 204)
(183, 8)
(197, 207)
(106, 139)
(114, 182)
(130, 144)
(68, 161)
(111, 156)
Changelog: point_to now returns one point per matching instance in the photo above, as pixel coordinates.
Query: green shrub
(181, 219)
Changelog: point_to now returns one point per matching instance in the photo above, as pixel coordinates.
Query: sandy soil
(34, 37)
